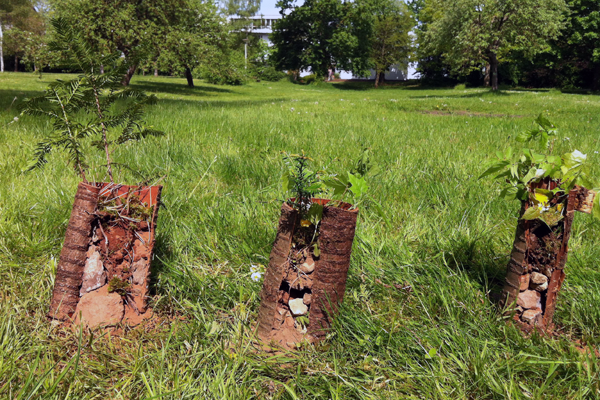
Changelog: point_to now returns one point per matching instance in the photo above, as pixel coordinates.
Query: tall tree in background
(20, 23)
(391, 42)
(189, 38)
(323, 34)
(471, 33)
(132, 27)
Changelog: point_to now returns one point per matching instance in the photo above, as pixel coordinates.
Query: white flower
(539, 172)
(254, 268)
(256, 276)
(567, 138)
(316, 102)
(596, 152)
(16, 119)
(292, 109)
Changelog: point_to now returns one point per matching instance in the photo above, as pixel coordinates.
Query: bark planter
(536, 267)
(299, 283)
(104, 267)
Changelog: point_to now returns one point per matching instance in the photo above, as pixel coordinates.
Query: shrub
(270, 74)
(224, 69)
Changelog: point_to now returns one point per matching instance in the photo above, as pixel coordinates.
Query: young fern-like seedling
(85, 106)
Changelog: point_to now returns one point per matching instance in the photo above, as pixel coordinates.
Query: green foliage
(391, 42)
(305, 184)
(85, 106)
(471, 33)
(119, 286)
(225, 68)
(521, 173)
(323, 34)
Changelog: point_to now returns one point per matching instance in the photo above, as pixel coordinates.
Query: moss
(117, 285)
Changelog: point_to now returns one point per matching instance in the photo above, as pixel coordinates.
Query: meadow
(420, 319)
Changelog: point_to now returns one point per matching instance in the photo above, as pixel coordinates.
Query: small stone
(99, 308)
(538, 279)
(524, 282)
(289, 321)
(297, 307)
(529, 299)
(308, 266)
(539, 282)
(307, 298)
(140, 270)
(93, 272)
(533, 316)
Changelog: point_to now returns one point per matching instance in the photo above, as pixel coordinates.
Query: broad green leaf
(315, 213)
(338, 186)
(509, 192)
(531, 213)
(529, 175)
(497, 166)
(286, 181)
(359, 185)
(544, 122)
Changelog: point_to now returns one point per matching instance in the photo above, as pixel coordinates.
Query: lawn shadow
(463, 95)
(220, 103)
(178, 88)
(480, 261)
(10, 99)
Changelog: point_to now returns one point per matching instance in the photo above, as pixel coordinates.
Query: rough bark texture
(189, 77)
(335, 242)
(537, 262)
(325, 286)
(128, 75)
(65, 295)
(274, 272)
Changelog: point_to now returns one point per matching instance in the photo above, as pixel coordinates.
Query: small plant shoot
(94, 105)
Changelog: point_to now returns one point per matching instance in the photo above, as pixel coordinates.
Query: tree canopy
(471, 33)
(323, 34)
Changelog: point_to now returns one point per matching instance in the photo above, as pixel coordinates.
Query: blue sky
(267, 7)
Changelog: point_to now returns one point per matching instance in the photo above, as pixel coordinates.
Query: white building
(262, 26)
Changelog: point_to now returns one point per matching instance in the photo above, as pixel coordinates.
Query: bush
(270, 74)
(224, 70)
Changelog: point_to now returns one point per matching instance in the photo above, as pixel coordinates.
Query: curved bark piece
(274, 273)
(65, 295)
(335, 242)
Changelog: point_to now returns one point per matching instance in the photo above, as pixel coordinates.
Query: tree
(20, 23)
(130, 26)
(391, 40)
(472, 33)
(321, 35)
(192, 33)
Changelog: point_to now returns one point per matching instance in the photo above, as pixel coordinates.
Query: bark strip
(274, 272)
(65, 295)
(335, 242)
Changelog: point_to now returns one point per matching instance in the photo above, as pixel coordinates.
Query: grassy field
(445, 236)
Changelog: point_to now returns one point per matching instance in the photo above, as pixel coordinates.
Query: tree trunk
(189, 77)
(155, 71)
(596, 80)
(16, 63)
(494, 71)
(486, 78)
(1, 48)
(128, 75)
(69, 271)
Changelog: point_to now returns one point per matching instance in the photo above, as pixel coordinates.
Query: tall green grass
(445, 238)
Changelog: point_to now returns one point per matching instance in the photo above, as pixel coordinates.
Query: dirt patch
(469, 114)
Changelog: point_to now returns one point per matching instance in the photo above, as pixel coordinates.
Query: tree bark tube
(65, 295)
(274, 273)
(536, 267)
(336, 235)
